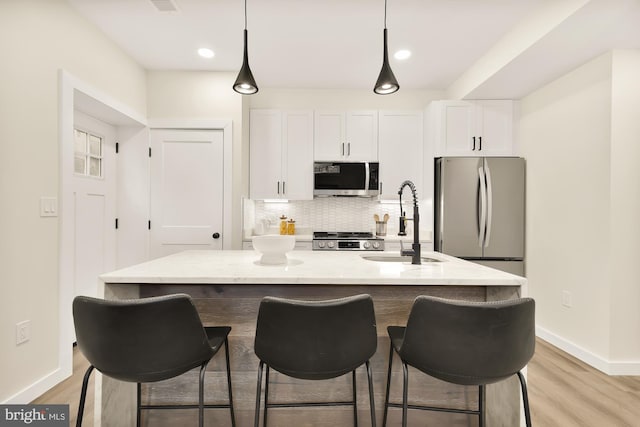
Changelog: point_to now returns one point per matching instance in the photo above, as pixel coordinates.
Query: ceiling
(514, 45)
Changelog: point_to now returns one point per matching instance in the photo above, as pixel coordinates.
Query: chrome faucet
(415, 251)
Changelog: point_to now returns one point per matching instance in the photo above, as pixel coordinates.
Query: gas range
(346, 241)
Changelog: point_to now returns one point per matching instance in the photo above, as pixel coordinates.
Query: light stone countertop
(309, 267)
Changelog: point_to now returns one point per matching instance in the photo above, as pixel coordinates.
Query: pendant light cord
(385, 13)
(245, 13)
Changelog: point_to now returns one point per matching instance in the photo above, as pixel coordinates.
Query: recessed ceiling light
(205, 53)
(402, 54)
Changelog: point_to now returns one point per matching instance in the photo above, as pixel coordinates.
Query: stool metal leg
(405, 392)
(226, 353)
(372, 406)
(386, 396)
(266, 396)
(256, 422)
(203, 368)
(138, 403)
(83, 395)
(355, 401)
(481, 405)
(525, 399)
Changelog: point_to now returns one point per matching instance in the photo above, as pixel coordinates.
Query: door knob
(216, 235)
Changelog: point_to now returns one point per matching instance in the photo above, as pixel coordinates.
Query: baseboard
(38, 388)
(606, 366)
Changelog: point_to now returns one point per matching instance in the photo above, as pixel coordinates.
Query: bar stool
(315, 340)
(147, 340)
(466, 343)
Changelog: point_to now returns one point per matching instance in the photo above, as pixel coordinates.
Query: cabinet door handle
(283, 192)
(480, 139)
(343, 148)
(348, 149)
(474, 144)
(278, 187)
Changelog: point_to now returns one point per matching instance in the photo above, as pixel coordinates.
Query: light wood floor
(68, 392)
(563, 392)
(566, 392)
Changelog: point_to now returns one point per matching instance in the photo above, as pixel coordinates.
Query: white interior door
(187, 190)
(94, 199)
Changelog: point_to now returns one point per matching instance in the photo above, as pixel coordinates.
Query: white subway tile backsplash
(335, 213)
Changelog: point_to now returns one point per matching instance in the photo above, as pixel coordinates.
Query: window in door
(87, 154)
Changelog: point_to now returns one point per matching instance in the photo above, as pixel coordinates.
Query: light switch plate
(48, 206)
(23, 332)
(566, 299)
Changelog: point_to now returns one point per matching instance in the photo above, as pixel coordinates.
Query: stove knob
(321, 244)
(331, 244)
(376, 245)
(366, 245)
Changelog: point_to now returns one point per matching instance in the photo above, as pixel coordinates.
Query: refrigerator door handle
(489, 202)
(483, 207)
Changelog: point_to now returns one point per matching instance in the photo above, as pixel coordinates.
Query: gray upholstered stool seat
(147, 340)
(466, 343)
(315, 340)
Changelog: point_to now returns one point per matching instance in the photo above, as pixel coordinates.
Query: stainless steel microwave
(346, 179)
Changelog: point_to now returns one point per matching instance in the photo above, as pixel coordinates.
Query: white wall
(38, 37)
(205, 95)
(625, 207)
(343, 99)
(580, 140)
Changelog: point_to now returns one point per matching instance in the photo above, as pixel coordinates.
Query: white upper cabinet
(400, 150)
(346, 135)
(281, 154)
(297, 155)
(473, 128)
(265, 154)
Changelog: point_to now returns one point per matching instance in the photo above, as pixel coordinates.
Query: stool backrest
(316, 339)
(469, 343)
(141, 340)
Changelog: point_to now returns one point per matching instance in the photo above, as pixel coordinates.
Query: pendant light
(245, 83)
(387, 82)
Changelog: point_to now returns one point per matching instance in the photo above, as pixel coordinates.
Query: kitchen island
(227, 287)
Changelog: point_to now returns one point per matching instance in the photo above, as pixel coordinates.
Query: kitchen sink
(396, 258)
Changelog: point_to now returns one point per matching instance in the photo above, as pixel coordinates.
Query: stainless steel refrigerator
(479, 210)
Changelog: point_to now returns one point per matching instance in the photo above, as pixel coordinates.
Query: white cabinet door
(362, 136)
(474, 128)
(457, 128)
(265, 154)
(495, 125)
(329, 135)
(297, 155)
(401, 150)
(281, 155)
(346, 135)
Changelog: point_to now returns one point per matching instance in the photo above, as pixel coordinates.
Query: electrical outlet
(566, 299)
(23, 331)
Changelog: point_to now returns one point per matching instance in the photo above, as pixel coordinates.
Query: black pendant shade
(387, 82)
(245, 83)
